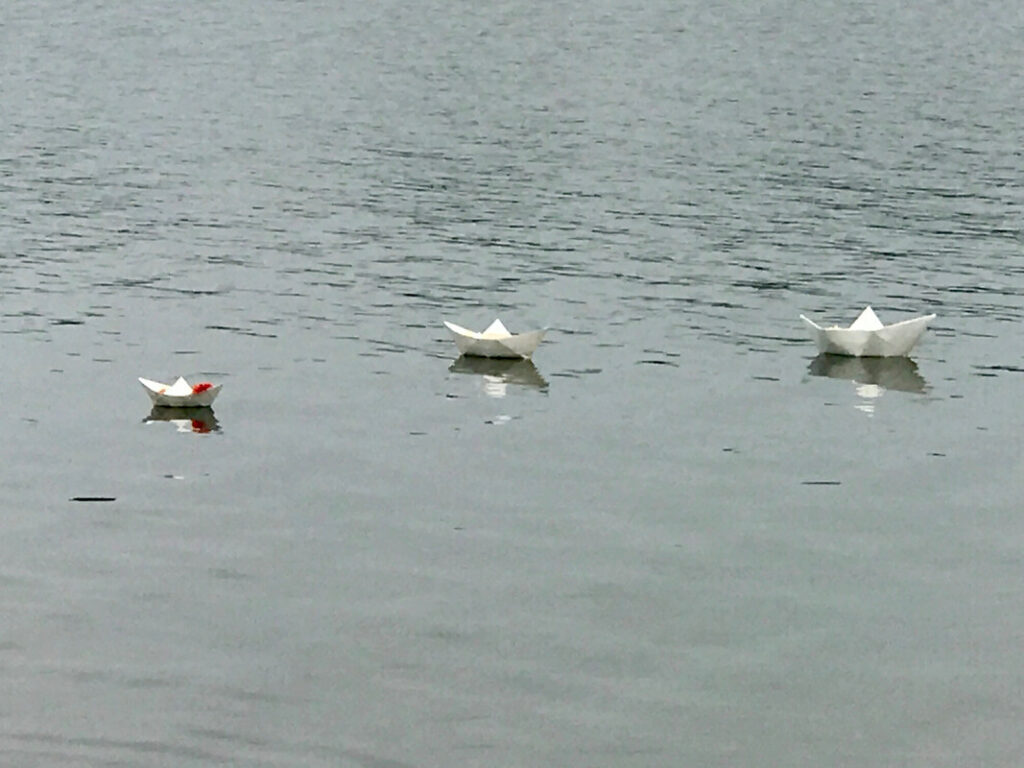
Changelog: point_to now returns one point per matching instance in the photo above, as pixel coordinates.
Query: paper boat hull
(513, 346)
(889, 341)
(159, 396)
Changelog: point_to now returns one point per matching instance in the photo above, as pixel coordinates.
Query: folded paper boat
(868, 337)
(495, 341)
(181, 394)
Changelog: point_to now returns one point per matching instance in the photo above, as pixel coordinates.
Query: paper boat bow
(495, 341)
(868, 337)
(181, 394)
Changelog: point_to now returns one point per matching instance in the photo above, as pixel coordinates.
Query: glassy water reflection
(873, 376)
(498, 374)
(200, 421)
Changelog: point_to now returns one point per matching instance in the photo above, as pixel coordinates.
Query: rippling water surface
(675, 538)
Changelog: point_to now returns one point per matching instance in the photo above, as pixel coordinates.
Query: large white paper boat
(181, 394)
(495, 341)
(868, 337)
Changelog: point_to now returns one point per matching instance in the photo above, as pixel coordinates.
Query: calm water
(675, 539)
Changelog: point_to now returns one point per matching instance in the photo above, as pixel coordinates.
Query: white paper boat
(495, 341)
(867, 337)
(181, 394)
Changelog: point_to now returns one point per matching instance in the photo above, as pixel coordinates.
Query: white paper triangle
(867, 321)
(496, 330)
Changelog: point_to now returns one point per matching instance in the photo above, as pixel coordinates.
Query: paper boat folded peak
(181, 394)
(495, 341)
(868, 336)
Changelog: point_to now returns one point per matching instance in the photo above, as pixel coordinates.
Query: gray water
(677, 538)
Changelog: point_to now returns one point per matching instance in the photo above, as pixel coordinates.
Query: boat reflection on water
(498, 373)
(200, 421)
(872, 375)
(898, 373)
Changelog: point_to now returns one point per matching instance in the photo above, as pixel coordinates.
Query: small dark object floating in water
(93, 498)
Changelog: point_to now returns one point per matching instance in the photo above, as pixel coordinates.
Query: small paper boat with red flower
(181, 394)
(495, 341)
(868, 337)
